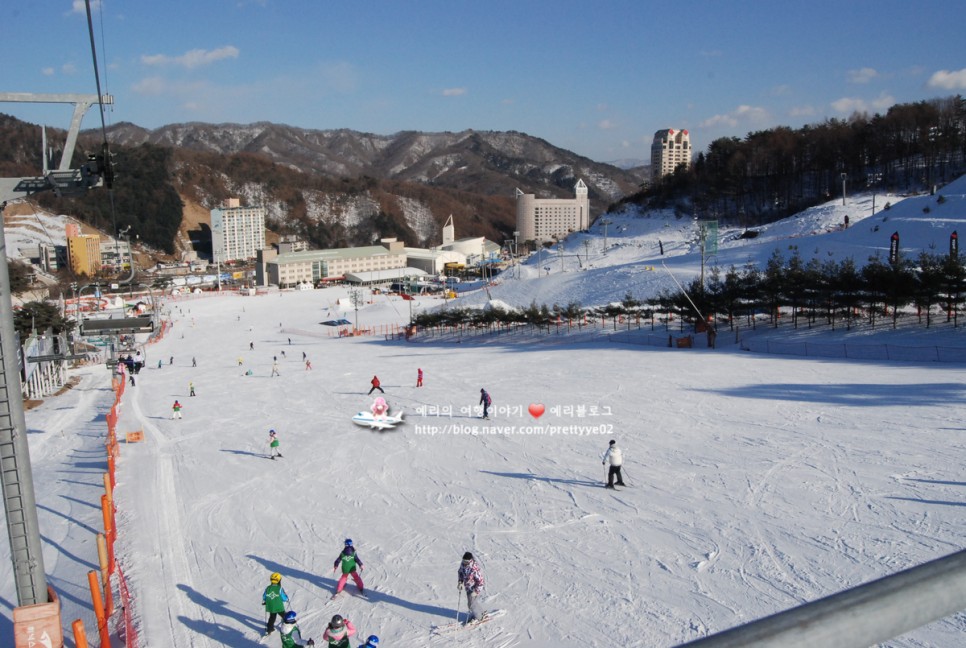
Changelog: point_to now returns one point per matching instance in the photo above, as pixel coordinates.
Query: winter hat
(467, 556)
(612, 442)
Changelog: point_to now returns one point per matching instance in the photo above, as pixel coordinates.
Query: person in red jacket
(375, 385)
(419, 377)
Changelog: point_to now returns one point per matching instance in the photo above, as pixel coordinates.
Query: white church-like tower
(550, 219)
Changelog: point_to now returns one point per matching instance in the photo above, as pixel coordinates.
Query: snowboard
(450, 628)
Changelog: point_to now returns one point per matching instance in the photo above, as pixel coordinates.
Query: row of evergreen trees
(807, 293)
(774, 173)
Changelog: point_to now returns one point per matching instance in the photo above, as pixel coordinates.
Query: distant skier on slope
(176, 410)
(274, 599)
(470, 578)
(338, 632)
(375, 385)
(291, 634)
(485, 401)
(419, 377)
(616, 459)
(273, 445)
(348, 559)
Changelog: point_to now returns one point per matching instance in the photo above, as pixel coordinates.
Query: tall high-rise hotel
(237, 233)
(549, 219)
(669, 149)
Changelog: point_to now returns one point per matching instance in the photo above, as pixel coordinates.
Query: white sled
(384, 422)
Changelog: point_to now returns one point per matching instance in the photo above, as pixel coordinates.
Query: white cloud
(79, 7)
(862, 75)
(606, 124)
(193, 58)
(948, 80)
(47, 71)
(742, 115)
(849, 105)
(454, 92)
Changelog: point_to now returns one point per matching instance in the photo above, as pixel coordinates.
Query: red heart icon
(536, 410)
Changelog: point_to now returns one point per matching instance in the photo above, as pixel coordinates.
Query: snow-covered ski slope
(757, 482)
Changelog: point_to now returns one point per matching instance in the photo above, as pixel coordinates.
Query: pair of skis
(450, 628)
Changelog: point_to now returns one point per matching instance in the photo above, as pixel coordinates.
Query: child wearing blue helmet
(371, 642)
(290, 633)
(349, 560)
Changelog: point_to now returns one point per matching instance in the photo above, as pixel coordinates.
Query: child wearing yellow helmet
(274, 599)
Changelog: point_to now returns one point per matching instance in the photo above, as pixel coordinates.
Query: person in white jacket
(616, 459)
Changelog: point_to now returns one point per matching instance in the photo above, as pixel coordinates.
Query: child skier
(191, 389)
(616, 459)
(273, 445)
(375, 385)
(485, 401)
(371, 642)
(291, 634)
(176, 410)
(274, 599)
(419, 377)
(338, 632)
(349, 560)
(470, 578)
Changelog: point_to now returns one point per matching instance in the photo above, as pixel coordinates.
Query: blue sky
(595, 78)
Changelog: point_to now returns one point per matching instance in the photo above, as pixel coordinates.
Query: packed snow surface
(755, 482)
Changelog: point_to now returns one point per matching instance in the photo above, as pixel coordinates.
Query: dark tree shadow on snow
(552, 480)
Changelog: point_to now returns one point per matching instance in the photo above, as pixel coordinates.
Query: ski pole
(459, 601)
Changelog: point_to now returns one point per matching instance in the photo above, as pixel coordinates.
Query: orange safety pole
(108, 532)
(102, 558)
(99, 609)
(110, 469)
(80, 635)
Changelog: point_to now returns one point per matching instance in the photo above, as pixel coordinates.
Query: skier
(194, 362)
(171, 360)
(274, 599)
(338, 632)
(371, 642)
(191, 389)
(616, 459)
(470, 578)
(291, 634)
(159, 364)
(275, 369)
(379, 408)
(419, 377)
(176, 410)
(348, 559)
(375, 385)
(485, 401)
(251, 346)
(308, 365)
(273, 444)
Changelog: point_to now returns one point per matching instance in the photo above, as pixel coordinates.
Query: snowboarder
(290, 632)
(176, 410)
(191, 389)
(274, 599)
(348, 559)
(371, 642)
(419, 377)
(375, 385)
(273, 444)
(470, 578)
(338, 632)
(616, 459)
(485, 401)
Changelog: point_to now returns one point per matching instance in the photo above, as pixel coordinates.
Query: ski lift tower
(16, 476)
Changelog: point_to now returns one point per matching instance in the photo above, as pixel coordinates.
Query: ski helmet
(337, 622)
(289, 616)
(276, 578)
(348, 542)
(467, 557)
(373, 640)
(272, 432)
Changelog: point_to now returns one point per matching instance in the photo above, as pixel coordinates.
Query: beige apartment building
(288, 269)
(550, 219)
(669, 149)
(237, 233)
